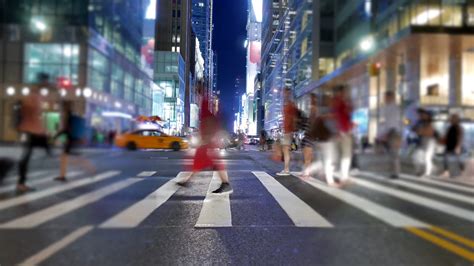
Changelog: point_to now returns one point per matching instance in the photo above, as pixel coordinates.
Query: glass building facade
(91, 51)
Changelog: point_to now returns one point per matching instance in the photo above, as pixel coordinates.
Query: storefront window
(470, 15)
(452, 16)
(98, 71)
(57, 60)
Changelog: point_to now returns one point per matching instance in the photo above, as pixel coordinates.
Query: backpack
(17, 114)
(301, 120)
(319, 131)
(77, 127)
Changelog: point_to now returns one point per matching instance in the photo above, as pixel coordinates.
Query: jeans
(345, 146)
(327, 149)
(33, 140)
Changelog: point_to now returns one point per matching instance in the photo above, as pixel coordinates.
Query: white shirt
(392, 120)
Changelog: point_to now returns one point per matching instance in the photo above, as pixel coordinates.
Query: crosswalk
(453, 202)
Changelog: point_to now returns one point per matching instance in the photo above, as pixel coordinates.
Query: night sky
(230, 19)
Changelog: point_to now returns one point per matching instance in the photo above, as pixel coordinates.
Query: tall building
(202, 21)
(254, 46)
(419, 49)
(91, 51)
(174, 62)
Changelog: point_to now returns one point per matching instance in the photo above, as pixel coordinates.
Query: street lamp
(39, 24)
(367, 44)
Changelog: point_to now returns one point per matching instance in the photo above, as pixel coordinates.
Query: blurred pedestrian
(241, 139)
(73, 128)
(289, 127)
(390, 132)
(342, 112)
(453, 141)
(31, 125)
(427, 135)
(206, 154)
(310, 137)
(263, 140)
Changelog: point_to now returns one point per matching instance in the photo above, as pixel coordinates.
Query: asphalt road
(131, 212)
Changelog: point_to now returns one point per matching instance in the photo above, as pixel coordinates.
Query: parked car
(150, 139)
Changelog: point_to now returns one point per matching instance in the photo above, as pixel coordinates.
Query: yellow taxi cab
(149, 139)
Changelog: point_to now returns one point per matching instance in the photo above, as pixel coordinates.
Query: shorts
(287, 139)
(70, 145)
(206, 159)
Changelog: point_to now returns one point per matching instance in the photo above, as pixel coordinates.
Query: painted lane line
(37, 182)
(57, 246)
(465, 241)
(14, 179)
(389, 216)
(137, 213)
(442, 243)
(146, 173)
(419, 200)
(215, 211)
(29, 197)
(48, 214)
(438, 183)
(298, 211)
(434, 191)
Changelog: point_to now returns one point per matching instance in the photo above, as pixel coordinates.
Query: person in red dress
(206, 154)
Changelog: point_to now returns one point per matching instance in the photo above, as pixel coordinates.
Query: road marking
(30, 175)
(439, 183)
(434, 191)
(419, 200)
(442, 243)
(37, 182)
(137, 213)
(389, 216)
(48, 214)
(54, 190)
(453, 236)
(57, 246)
(215, 211)
(299, 212)
(146, 174)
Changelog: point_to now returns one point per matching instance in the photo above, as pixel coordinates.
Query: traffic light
(374, 69)
(63, 82)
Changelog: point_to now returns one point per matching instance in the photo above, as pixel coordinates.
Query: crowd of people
(328, 130)
(29, 122)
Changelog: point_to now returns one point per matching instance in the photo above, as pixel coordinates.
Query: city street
(131, 212)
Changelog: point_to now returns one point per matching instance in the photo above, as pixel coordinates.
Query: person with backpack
(453, 141)
(73, 129)
(290, 113)
(31, 124)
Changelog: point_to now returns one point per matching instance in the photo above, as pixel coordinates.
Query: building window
(98, 71)
(60, 61)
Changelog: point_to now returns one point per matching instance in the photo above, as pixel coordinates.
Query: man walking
(289, 127)
(453, 144)
(31, 125)
(390, 132)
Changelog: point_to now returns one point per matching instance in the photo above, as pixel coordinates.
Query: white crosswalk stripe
(215, 211)
(419, 200)
(389, 216)
(30, 197)
(439, 183)
(433, 191)
(48, 214)
(37, 182)
(14, 179)
(299, 212)
(134, 215)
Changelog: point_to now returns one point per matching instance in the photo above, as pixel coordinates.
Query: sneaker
(283, 173)
(60, 178)
(20, 189)
(182, 183)
(393, 176)
(225, 188)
